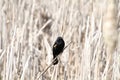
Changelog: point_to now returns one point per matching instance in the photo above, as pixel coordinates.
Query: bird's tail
(55, 61)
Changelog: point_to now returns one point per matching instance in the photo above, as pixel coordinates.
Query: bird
(58, 48)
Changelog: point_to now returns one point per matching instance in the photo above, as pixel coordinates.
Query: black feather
(58, 48)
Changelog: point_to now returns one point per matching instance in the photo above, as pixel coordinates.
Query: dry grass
(28, 29)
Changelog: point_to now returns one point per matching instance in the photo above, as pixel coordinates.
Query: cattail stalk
(110, 34)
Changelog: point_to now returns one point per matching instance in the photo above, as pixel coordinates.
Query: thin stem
(50, 64)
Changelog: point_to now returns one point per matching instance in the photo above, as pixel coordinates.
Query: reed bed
(28, 29)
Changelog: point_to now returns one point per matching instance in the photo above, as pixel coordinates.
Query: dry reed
(28, 29)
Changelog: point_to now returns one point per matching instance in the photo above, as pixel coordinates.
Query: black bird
(58, 48)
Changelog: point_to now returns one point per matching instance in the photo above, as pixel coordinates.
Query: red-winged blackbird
(58, 48)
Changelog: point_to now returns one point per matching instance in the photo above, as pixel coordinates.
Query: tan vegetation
(28, 29)
(110, 34)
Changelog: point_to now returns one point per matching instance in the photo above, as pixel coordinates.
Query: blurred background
(29, 28)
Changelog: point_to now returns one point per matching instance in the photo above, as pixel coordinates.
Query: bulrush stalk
(110, 34)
